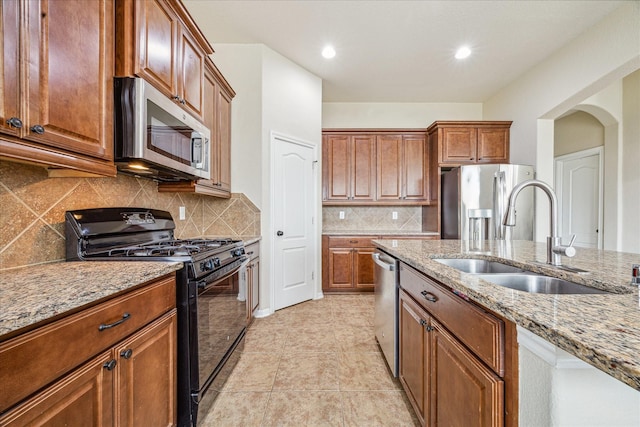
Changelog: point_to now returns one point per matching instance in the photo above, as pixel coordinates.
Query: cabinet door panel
(70, 82)
(463, 391)
(363, 167)
(337, 167)
(389, 149)
(146, 391)
(415, 168)
(82, 398)
(413, 353)
(191, 75)
(493, 145)
(458, 145)
(340, 268)
(157, 25)
(10, 70)
(364, 268)
(223, 124)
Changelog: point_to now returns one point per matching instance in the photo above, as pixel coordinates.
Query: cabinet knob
(423, 322)
(471, 158)
(126, 354)
(37, 129)
(15, 122)
(110, 365)
(429, 328)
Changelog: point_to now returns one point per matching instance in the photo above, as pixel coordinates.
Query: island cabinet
(159, 41)
(470, 142)
(375, 167)
(452, 361)
(110, 364)
(56, 106)
(218, 95)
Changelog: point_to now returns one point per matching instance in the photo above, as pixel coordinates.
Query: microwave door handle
(197, 144)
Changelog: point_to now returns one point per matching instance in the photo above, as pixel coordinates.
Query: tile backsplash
(372, 218)
(32, 208)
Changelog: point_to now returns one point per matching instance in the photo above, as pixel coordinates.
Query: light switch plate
(341, 214)
(182, 213)
(394, 215)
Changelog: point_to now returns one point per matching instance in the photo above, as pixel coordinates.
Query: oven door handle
(204, 284)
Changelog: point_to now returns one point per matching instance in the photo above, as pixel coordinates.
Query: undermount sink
(476, 266)
(535, 283)
(516, 278)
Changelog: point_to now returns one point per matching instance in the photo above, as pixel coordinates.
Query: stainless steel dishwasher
(386, 307)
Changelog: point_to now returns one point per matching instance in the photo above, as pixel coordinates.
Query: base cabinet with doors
(253, 278)
(347, 265)
(452, 359)
(111, 364)
(56, 106)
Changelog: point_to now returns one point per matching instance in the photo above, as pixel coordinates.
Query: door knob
(280, 233)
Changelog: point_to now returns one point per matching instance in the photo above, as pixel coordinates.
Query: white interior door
(294, 207)
(579, 187)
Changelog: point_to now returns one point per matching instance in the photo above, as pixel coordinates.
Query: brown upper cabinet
(380, 167)
(218, 95)
(349, 167)
(56, 107)
(158, 41)
(470, 142)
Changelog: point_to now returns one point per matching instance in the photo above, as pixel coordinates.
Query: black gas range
(210, 297)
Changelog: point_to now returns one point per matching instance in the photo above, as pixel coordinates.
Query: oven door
(220, 313)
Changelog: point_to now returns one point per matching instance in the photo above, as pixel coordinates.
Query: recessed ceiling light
(328, 52)
(463, 52)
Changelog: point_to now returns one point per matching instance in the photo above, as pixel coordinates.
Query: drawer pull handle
(126, 354)
(125, 317)
(353, 241)
(110, 365)
(429, 296)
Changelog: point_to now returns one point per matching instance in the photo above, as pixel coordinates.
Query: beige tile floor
(313, 364)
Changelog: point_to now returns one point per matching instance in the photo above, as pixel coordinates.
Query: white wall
(395, 115)
(577, 132)
(273, 94)
(599, 57)
(630, 163)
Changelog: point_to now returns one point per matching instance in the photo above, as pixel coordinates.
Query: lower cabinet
(131, 382)
(253, 278)
(347, 263)
(447, 381)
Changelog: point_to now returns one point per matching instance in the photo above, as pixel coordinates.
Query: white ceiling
(402, 51)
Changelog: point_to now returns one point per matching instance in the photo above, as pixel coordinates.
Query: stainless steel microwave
(155, 137)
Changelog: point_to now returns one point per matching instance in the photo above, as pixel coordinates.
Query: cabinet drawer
(253, 250)
(480, 331)
(34, 359)
(351, 242)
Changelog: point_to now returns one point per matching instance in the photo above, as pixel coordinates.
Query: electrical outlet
(341, 214)
(182, 213)
(394, 215)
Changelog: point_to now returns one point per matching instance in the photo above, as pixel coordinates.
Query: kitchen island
(602, 330)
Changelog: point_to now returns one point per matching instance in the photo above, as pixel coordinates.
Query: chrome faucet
(555, 248)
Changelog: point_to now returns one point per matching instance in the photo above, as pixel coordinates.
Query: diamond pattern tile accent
(32, 208)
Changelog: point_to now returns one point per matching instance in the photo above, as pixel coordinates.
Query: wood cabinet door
(70, 77)
(82, 398)
(493, 145)
(10, 70)
(255, 284)
(389, 176)
(223, 141)
(145, 390)
(336, 158)
(434, 169)
(340, 268)
(364, 268)
(363, 167)
(415, 169)
(458, 145)
(156, 28)
(464, 392)
(191, 74)
(414, 354)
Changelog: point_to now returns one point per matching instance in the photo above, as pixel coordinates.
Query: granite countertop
(34, 294)
(602, 330)
(379, 233)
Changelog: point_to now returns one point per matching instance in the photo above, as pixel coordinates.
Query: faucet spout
(554, 247)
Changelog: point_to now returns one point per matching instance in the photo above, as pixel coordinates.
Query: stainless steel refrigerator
(474, 201)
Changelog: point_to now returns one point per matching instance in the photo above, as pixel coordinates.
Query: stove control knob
(207, 265)
(237, 252)
(216, 262)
